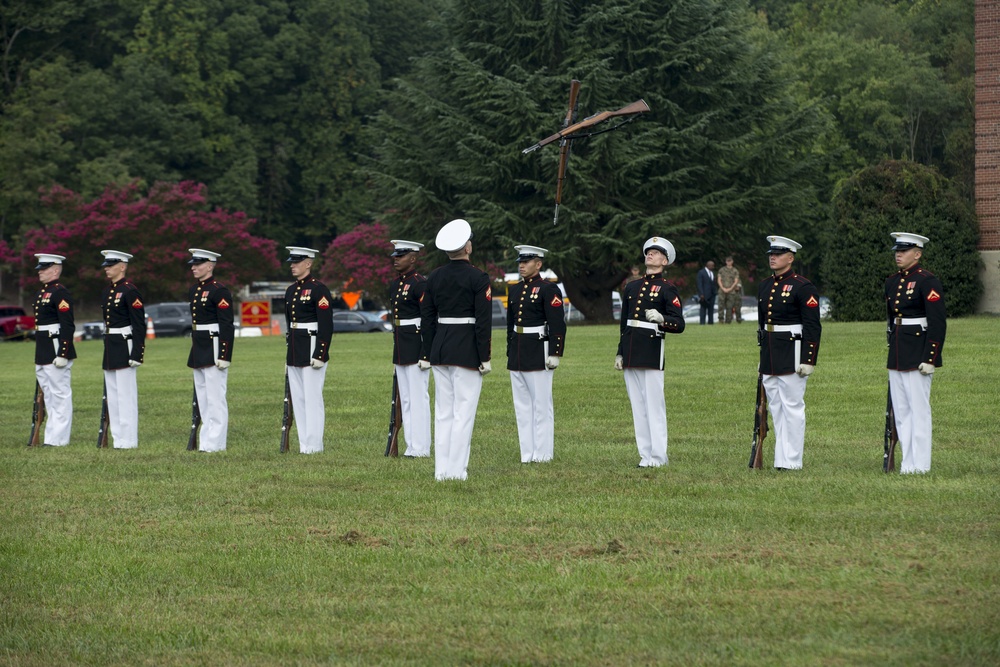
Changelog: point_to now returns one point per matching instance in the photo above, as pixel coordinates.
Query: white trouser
(210, 387)
(534, 412)
(456, 397)
(911, 403)
(55, 384)
(787, 405)
(123, 407)
(306, 386)
(649, 415)
(415, 404)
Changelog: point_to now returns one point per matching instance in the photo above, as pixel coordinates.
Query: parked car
(172, 318)
(499, 315)
(351, 321)
(92, 330)
(15, 324)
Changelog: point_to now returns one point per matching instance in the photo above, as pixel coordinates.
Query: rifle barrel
(636, 107)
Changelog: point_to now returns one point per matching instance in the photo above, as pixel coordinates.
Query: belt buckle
(899, 320)
(519, 330)
(770, 328)
(395, 323)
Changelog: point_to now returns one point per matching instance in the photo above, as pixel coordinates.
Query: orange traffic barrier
(275, 327)
(150, 331)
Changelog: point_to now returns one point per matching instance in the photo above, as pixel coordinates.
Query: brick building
(988, 148)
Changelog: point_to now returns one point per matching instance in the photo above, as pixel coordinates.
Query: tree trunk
(590, 292)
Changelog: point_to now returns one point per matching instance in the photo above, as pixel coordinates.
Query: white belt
(308, 326)
(211, 328)
(412, 322)
(50, 328)
(784, 328)
(910, 321)
(121, 331)
(530, 330)
(643, 325)
(456, 320)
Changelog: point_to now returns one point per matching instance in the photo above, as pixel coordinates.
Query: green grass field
(249, 557)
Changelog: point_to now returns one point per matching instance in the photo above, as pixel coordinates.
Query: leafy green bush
(899, 196)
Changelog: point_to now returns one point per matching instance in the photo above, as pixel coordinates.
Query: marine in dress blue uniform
(124, 349)
(788, 334)
(917, 323)
(651, 308)
(309, 319)
(405, 293)
(212, 336)
(536, 338)
(54, 350)
(456, 315)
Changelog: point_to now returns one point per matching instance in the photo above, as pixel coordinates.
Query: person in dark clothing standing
(212, 336)
(707, 289)
(917, 323)
(456, 324)
(309, 319)
(124, 349)
(651, 308)
(536, 338)
(788, 334)
(54, 351)
(413, 381)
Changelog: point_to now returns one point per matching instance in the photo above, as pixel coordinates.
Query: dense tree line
(314, 116)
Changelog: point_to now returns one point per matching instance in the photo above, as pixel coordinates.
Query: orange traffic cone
(275, 327)
(150, 331)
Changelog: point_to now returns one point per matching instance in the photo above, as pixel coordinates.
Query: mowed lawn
(250, 557)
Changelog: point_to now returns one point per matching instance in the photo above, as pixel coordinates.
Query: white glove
(485, 368)
(619, 363)
(654, 316)
(424, 365)
(805, 370)
(134, 364)
(552, 363)
(222, 364)
(316, 363)
(926, 369)
(60, 362)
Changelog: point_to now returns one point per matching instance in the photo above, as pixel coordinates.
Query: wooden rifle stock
(102, 434)
(395, 420)
(891, 437)
(574, 92)
(37, 416)
(636, 107)
(286, 418)
(195, 422)
(759, 426)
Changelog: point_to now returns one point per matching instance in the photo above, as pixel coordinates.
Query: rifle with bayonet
(891, 437)
(574, 91)
(195, 422)
(102, 434)
(37, 416)
(395, 420)
(629, 112)
(759, 426)
(286, 418)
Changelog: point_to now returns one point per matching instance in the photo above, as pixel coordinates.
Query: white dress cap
(297, 254)
(526, 252)
(45, 260)
(453, 236)
(905, 240)
(112, 257)
(402, 247)
(780, 245)
(663, 245)
(198, 256)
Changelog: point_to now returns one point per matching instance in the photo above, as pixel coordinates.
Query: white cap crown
(661, 244)
(402, 247)
(198, 255)
(114, 256)
(297, 254)
(45, 260)
(453, 236)
(781, 244)
(905, 240)
(525, 252)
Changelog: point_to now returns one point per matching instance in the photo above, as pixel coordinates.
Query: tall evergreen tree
(724, 157)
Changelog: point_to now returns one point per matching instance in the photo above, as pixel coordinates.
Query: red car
(14, 323)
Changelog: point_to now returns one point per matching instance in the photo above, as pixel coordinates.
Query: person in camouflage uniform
(730, 293)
